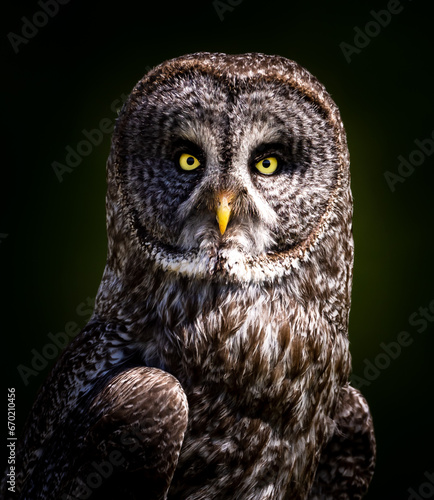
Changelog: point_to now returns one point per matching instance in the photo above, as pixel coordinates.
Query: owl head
(230, 167)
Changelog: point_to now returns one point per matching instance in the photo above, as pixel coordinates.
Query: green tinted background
(66, 79)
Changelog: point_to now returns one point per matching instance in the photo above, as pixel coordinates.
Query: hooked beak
(224, 209)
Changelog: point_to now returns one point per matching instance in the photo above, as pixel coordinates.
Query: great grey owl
(216, 363)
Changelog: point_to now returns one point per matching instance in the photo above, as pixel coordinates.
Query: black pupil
(266, 163)
(190, 160)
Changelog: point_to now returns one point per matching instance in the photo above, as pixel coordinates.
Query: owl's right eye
(188, 162)
(268, 165)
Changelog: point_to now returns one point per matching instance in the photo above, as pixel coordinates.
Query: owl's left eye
(268, 165)
(188, 162)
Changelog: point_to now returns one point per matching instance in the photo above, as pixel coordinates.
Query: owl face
(226, 162)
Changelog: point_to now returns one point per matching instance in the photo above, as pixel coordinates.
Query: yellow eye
(267, 166)
(188, 162)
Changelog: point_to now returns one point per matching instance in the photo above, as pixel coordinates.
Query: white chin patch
(228, 264)
(204, 253)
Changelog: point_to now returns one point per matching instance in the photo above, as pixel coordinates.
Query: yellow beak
(224, 210)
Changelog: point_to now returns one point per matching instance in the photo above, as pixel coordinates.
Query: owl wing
(347, 462)
(102, 427)
(132, 450)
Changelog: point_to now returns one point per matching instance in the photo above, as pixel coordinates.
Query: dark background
(52, 234)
